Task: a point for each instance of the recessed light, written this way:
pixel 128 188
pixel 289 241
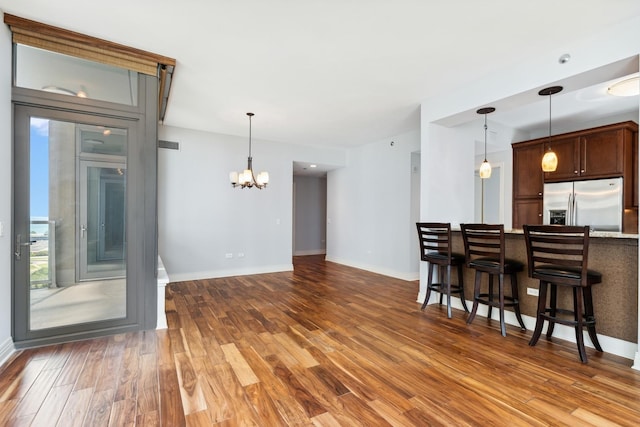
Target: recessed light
pixel 564 58
pixel 627 87
pixel 313 166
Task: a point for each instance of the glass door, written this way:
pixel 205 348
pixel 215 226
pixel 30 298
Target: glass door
pixel 70 223
pixel 101 223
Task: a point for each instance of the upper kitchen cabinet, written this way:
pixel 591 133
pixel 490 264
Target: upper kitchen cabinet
pixel 527 172
pixel 527 183
pixel 602 152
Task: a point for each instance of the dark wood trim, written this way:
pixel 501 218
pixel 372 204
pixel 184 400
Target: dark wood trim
pixel 27 26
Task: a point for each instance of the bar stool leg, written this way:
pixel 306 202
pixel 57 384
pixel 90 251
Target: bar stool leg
pixel 461 284
pixel 578 316
pixel 503 327
pixel 516 300
pixel 441 281
pixel 542 301
pixel 449 291
pixel 476 293
pixel 429 285
pixel 490 296
pixel 590 318
pixel 553 301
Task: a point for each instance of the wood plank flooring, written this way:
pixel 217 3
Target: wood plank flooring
pixel 325 345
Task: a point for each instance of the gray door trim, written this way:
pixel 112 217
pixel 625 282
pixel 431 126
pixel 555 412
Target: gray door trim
pixel 141 215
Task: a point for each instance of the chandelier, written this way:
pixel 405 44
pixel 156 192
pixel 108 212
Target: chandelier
pixel 247 178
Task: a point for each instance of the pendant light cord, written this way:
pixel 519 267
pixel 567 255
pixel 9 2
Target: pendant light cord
pixel 485 137
pixel 549 143
pixel 250 134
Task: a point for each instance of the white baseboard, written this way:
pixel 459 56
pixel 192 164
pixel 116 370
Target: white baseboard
pixel 6 350
pixel 411 276
pixel 626 349
pixel 181 277
pixel 310 252
pixel 163 279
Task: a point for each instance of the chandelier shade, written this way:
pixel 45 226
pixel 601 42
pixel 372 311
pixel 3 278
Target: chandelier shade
pixel 247 178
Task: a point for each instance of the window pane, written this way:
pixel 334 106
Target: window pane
pixel 53 72
pixel 78 225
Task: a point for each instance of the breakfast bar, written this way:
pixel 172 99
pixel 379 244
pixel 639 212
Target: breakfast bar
pixel 615 255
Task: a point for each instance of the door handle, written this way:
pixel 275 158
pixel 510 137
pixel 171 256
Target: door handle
pixel 82 231
pixel 19 245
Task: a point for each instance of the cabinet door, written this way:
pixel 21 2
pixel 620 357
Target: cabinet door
pixel 568 152
pixel 602 154
pixel 527 172
pixel 634 169
pixel 527 211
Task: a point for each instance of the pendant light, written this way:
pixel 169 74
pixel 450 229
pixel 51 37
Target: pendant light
pixel 247 178
pixel 549 160
pixel 485 167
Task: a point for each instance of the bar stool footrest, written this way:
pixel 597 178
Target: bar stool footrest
pixel 494 300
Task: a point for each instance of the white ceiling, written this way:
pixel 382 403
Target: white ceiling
pixel 333 72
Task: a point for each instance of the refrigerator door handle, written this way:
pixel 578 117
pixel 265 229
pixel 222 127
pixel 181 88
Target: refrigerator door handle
pixel 575 210
pixel 569 218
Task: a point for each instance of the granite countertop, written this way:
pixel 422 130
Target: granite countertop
pixel 605 234
pixel 596 234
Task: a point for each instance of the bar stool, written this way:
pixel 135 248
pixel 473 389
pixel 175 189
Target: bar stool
pixel 435 248
pixel 484 250
pixel 558 257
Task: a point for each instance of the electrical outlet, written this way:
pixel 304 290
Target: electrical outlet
pixel 532 291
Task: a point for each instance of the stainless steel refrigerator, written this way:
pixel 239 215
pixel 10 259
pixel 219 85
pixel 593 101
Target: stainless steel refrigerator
pixel 597 203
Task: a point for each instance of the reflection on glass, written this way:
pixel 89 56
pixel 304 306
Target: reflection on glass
pixel 105 221
pixel 78 223
pixel 67 75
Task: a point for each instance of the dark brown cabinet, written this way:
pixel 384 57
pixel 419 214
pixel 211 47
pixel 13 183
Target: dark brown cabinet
pixel 527 211
pixel 568 152
pixel 604 152
pixel 591 154
pixel 527 183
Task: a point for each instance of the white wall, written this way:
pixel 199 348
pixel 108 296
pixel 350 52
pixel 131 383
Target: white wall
pixel 369 208
pixel 202 218
pixel 310 215
pixel 6 342
pixel 447 187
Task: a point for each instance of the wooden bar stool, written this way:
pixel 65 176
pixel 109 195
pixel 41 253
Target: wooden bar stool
pixel 485 252
pixel 435 248
pixel 558 257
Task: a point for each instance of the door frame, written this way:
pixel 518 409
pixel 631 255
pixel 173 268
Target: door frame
pixel 141 201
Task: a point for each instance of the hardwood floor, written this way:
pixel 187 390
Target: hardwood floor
pixel 325 345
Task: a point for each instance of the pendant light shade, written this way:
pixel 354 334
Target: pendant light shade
pixel 247 178
pixel 485 170
pixel 485 167
pixel 549 160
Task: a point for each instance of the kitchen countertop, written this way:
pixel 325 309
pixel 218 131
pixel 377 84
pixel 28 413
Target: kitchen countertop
pixel 605 234
pixel 596 234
